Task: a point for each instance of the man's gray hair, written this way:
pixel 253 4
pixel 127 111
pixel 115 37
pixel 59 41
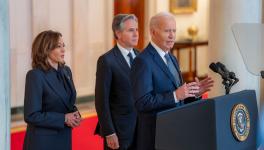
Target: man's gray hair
pixel 154 20
pixel 118 22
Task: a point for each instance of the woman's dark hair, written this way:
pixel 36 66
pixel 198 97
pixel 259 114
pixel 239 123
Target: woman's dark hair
pixel 42 45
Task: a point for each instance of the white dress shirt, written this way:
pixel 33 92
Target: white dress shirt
pixel 125 52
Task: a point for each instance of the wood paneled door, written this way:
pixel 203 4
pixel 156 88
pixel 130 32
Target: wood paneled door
pixel 136 7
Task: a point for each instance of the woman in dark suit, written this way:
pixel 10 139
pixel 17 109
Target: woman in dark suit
pixel 49 109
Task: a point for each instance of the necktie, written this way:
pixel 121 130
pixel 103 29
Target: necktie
pixel 130 58
pixel 172 69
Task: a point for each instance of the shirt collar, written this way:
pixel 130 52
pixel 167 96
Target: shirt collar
pixel 159 50
pixel 125 51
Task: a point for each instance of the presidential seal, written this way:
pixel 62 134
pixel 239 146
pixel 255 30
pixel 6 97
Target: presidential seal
pixel 240 122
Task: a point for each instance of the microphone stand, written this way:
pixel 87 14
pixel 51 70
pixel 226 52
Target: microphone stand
pixel 228 84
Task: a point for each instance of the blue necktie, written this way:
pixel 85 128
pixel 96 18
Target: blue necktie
pixel 130 58
pixel 172 69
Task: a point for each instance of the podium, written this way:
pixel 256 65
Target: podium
pixel 208 124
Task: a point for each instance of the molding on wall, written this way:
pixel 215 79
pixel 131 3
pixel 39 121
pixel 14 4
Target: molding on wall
pixel 80 100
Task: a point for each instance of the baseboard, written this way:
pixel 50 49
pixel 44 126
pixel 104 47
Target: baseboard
pixel 80 100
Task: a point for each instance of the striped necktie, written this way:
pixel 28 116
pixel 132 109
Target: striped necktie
pixel 173 69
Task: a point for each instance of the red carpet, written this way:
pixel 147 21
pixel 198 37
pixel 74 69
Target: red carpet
pixel 83 138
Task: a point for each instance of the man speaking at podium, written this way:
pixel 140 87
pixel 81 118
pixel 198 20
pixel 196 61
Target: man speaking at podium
pixel 157 82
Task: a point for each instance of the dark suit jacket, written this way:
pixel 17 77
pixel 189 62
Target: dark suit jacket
pixel 45 105
pixel 113 97
pixel 153 86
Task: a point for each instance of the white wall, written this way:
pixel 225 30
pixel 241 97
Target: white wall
pixel 86 29
pixel 92 36
pixel 223 48
pixel 20 44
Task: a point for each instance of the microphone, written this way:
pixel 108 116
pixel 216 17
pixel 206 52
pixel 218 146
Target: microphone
pixel 222 67
pixel 214 67
pixel 229 78
pixel 231 75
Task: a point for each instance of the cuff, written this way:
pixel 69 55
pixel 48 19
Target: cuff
pixel 110 135
pixel 175 98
